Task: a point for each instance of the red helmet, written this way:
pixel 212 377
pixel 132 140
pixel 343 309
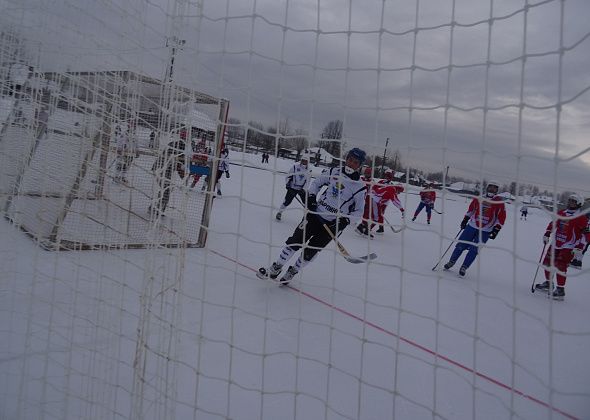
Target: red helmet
pixel 389 175
pixel 368 172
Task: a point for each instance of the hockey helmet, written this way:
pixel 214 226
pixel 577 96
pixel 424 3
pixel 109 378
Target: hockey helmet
pixel 304 157
pixel 492 188
pixel 575 201
pixel 389 175
pixel 357 154
pixel 368 172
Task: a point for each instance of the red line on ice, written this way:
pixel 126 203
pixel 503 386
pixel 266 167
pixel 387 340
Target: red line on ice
pixel 414 344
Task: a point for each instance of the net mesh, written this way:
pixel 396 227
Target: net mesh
pixel 96 100
pixel 87 158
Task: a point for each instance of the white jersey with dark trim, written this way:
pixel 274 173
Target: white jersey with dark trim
pixel 342 197
pixel 298 176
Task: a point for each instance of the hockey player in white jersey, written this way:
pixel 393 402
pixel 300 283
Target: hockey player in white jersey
pixel 126 150
pixel 296 181
pixel 343 198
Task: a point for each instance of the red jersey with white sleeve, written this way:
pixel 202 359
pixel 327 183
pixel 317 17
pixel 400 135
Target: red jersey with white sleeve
pixel 485 213
pixel 428 197
pixel 369 185
pixel 381 194
pixel 571 230
pixel 385 192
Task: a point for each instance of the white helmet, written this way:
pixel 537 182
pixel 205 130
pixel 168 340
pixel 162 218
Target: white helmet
pixel 389 175
pixel 577 198
pixel 494 191
pixel 305 157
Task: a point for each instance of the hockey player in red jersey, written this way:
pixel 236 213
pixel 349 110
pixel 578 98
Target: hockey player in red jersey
pixel 571 235
pixel 396 190
pixel 577 261
pixel 484 219
pixel 380 195
pixel 427 199
pixel 199 160
pixel 367 178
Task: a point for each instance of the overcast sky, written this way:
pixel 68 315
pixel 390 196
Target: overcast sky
pixel 360 61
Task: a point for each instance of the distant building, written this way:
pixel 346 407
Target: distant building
pixel 547 202
pixel 285 153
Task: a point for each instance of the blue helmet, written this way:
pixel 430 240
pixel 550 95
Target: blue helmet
pixel 358 154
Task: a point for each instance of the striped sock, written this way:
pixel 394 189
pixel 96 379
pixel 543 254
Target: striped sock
pixel 285 255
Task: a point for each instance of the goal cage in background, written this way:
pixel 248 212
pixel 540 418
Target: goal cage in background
pixel 69 185
pixel 162 316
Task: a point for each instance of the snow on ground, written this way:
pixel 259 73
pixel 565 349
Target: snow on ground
pixel 389 339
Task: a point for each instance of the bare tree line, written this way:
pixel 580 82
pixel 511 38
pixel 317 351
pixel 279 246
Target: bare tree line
pixel 282 136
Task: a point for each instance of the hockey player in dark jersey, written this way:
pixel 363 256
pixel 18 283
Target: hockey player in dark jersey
pixel 344 197
pixel 172 158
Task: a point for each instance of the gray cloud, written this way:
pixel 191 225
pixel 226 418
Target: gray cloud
pixel 270 71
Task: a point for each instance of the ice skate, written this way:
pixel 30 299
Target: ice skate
pixel 462 271
pixel 558 293
pixel 278 216
pixel 362 230
pixel 272 272
pixel 289 274
pixel 543 287
pixel 577 264
pixel 449 265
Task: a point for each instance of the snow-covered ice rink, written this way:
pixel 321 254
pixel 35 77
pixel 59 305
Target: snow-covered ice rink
pixel 193 334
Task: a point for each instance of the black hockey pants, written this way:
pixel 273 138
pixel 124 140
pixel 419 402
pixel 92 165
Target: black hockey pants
pixel 291 194
pixel 312 234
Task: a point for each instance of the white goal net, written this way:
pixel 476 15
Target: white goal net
pixel 138 206
pixel 85 158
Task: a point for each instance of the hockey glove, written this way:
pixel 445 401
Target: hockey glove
pixel 577 253
pixel 342 222
pixel 546 238
pixel 312 204
pixel 227 174
pixel 464 222
pixel 494 232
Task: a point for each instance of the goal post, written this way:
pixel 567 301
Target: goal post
pixel 76 188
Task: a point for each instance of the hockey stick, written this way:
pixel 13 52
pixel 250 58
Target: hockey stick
pixel 300 202
pixel 436 211
pixel 342 251
pixel 537 270
pixel 447 250
pixel 392 228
